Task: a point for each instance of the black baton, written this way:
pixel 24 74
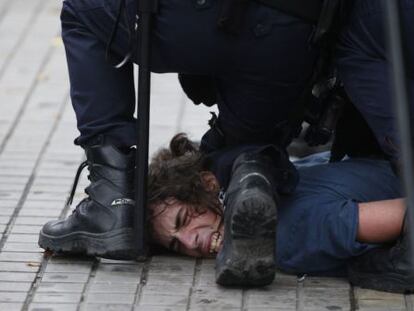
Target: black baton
pixel 401 105
pixel 145 11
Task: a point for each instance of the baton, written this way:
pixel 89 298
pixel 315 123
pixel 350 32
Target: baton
pixel 401 106
pixel 145 11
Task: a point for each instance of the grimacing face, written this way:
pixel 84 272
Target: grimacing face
pixel 178 228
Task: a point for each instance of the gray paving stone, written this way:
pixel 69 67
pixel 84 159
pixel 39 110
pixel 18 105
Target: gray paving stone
pixel 21 257
pixel 65 277
pixel 160 308
pixel 38 205
pixel 118 273
pixel 110 298
pixel 283 298
pixel 15 286
pixel 169 279
pixel 7 211
pixel 109 287
pixel 61 259
pixel 69 267
pixel 117 262
pixel 4 220
pixel 6 266
pixel 49 212
pixel 52 307
pixel 57 297
pixel 107 307
pixel 23 238
pixel 215 298
pixel 11 306
pixel 373 300
pixel 172 268
pixel 12 297
pixel 55 287
pixel 17 276
pixel 326 282
pixel 166 290
pixel 34 220
pixel 22 247
pixel 162 300
pixel 26 229
pixel 209 308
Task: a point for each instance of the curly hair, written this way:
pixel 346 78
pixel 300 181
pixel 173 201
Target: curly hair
pixel 175 172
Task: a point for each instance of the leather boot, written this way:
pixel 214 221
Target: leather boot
pixel 247 257
pixel 102 224
pixel 387 269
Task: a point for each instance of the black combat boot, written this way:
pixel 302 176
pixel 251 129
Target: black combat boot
pixel 248 254
pixel 102 224
pixel 387 269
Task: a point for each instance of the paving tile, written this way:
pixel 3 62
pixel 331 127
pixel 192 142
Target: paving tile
pixel 166 290
pixel 53 307
pixel 63 259
pixel 69 267
pixel 22 247
pixel 30 229
pixel 118 273
pixel 33 220
pixel 109 287
pixel 326 282
pixel 107 307
pixel 7 266
pixel 17 276
pixel 12 297
pixel 169 279
pixel 56 287
pixel 49 212
pixel 65 277
pixel 370 299
pixel 160 308
pixel 23 238
pixel 170 300
pixel 110 298
pixel 57 297
pixel 214 298
pixel 21 257
pixel 11 306
pixel 4 220
pixel 283 298
pixel 13 286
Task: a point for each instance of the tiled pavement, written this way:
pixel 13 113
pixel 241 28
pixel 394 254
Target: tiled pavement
pixel 37 165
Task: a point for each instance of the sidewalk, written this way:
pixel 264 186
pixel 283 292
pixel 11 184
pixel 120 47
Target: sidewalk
pixel 37 165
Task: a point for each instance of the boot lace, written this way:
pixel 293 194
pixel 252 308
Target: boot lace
pixel 75 183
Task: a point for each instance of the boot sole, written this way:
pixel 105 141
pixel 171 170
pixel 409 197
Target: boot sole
pixel 116 244
pixel 389 282
pixel 247 257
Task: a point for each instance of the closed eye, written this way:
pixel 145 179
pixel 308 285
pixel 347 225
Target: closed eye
pixel 182 218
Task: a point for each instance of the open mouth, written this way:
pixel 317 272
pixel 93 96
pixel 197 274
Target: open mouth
pixel 216 241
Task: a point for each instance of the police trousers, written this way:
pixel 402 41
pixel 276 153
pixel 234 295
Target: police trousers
pixel 260 73
pixel 363 66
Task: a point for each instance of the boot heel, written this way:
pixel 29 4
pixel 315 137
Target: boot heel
pixel 247 257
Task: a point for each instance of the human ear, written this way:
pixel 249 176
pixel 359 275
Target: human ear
pixel 209 181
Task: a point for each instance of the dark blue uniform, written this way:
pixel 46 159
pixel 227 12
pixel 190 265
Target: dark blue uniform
pixel 260 74
pixel 364 69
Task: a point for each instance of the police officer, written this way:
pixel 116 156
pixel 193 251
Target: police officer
pixel 363 67
pixel 259 62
